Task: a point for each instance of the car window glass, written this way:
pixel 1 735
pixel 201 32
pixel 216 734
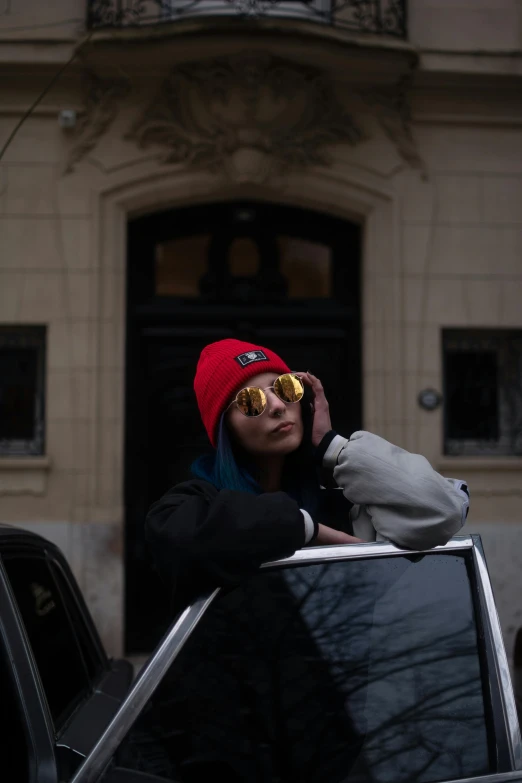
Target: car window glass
pixel 351 672
pixel 13 746
pixel 93 659
pixel 51 636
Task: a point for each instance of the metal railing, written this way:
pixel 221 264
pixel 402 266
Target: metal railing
pixel 376 17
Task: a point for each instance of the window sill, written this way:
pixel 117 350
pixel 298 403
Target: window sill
pixel 24 475
pixel 447 464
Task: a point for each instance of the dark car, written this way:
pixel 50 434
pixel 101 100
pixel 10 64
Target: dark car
pixel 365 664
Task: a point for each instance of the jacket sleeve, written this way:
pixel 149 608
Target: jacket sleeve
pixel 406 501
pixel 198 536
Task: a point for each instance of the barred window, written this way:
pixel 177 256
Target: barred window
pixel 482 392
pixel 22 390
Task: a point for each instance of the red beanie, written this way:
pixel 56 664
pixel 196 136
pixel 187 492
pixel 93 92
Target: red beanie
pixel 223 369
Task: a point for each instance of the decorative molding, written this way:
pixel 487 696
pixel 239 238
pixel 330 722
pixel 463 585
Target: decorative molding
pixel 24 475
pixel 250 116
pixel 103 100
pixel 485 464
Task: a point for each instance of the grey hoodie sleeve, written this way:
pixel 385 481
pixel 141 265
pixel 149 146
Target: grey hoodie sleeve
pixel 397 495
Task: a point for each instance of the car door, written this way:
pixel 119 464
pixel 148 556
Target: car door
pixel 355 664
pixel 76 688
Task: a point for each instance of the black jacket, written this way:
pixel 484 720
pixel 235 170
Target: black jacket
pixel 200 537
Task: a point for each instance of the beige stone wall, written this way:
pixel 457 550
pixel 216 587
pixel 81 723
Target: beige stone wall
pixel 461 251
pixel 444 250
pixel 472 26
pixel 48 276
pixel 31 20
pixel 461 266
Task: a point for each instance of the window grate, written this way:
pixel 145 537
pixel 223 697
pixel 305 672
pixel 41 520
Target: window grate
pixel 482 392
pixel 379 17
pixel 22 390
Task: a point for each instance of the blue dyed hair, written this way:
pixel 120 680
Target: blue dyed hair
pixel 221 468
pixel 224 470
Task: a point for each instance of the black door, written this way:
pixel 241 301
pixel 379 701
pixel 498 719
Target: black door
pixel 277 276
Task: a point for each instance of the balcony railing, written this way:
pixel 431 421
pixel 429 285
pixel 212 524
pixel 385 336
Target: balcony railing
pixel 377 17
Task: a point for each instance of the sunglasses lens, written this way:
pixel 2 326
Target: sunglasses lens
pixel 251 401
pixel 289 388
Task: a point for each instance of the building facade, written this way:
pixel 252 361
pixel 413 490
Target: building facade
pixel 343 182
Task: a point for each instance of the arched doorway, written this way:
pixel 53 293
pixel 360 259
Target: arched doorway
pixel 279 276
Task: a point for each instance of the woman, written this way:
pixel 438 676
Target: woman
pixel 249 697
pixel 258 497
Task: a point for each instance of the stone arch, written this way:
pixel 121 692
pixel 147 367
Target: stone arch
pixel 353 194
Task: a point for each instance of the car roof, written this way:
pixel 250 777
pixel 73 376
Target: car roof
pixel 12 533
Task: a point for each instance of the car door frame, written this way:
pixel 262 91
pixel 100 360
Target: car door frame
pixel 108 688
pixel 28 687
pixel 505 720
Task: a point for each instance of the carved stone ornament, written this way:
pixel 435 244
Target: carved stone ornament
pixel 250 116
pixel 392 108
pixel 103 100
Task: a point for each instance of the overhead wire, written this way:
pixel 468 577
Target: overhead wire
pixel 43 93
pixel 66 276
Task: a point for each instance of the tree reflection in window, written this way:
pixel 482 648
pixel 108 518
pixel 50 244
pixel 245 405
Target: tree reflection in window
pixel 351 672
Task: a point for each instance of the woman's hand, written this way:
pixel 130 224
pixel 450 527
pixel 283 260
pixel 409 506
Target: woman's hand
pixel 328 536
pixel 322 423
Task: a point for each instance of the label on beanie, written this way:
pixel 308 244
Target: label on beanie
pixel 244 359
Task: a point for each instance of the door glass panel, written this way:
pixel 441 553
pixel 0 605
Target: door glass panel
pixel 180 264
pixel 93 659
pixel 243 258
pixel 50 634
pixel 307 266
pixel 351 672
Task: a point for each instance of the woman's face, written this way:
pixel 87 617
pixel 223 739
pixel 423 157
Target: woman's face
pixel 278 431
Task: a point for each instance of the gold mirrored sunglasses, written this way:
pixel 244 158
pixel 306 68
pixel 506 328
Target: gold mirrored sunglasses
pixel 252 402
